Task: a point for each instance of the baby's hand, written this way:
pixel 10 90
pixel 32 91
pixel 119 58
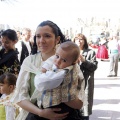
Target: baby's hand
pixel 43 70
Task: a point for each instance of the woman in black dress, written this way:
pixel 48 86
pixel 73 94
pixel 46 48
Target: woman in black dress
pixel 88 65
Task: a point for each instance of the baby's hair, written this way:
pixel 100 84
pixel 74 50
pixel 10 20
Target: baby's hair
pixel 72 49
pixel 8 78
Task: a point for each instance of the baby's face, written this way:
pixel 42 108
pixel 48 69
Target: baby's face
pixel 63 58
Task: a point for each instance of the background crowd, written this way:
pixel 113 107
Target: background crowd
pixel 22 55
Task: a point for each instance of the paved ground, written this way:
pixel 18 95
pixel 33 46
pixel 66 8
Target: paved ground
pixel 106 94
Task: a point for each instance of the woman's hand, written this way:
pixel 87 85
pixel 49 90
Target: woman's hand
pixel 49 113
pixel 81 58
pixel 76 103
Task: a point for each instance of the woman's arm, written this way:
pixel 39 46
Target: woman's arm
pixel 48 113
pixel 76 104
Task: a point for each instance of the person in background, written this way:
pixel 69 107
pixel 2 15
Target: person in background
pixel 114 51
pixel 24 46
pixel 18 35
pixel 8 54
pixel 102 52
pixel 47 36
pixel 88 65
pixel 7 86
pixel 0 40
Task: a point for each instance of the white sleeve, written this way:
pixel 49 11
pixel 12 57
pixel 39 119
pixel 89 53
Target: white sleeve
pixel 22 87
pixel 47 66
pixel 48 80
pixel 19 48
pixel 48 63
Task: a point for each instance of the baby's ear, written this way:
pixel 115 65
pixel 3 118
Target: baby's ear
pixel 75 62
pixel 12 87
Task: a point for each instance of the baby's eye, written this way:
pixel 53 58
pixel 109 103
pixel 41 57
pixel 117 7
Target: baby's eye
pixel 64 60
pixel 57 56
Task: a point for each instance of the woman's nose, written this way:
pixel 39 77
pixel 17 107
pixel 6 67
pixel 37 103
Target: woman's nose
pixel 42 40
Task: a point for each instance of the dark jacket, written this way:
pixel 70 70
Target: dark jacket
pixel 24 52
pixel 88 67
pixel 9 62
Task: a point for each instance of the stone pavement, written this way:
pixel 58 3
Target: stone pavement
pixel 106 94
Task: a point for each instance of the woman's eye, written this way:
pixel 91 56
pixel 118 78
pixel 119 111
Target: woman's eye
pixel 47 36
pixel 37 36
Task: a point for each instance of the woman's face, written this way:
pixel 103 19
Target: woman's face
pixel 7 43
pixel 45 39
pixel 79 41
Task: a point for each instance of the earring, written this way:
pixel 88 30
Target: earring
pixel 57 46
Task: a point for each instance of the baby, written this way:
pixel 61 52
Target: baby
pixel 57 81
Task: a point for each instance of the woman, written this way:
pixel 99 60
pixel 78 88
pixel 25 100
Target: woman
pixel 88 65
pixel 8 54
pixel 102 52
pixel 47 36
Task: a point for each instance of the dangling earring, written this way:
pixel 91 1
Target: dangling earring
pixel 54 48
pixel 57 46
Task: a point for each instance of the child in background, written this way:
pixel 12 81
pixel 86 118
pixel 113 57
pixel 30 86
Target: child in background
pixel 7 86
pixel 54 80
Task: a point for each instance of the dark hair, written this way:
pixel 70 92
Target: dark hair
pixel 8 78
pixel 85 46
pixel 34 48
pixel 10 34
pixel 56 30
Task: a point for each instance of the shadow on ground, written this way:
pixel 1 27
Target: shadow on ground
pixel 107 86
pixel 108 101
pixel 110 115
pixel 108 78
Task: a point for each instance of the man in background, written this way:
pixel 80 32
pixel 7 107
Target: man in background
pixel 24 46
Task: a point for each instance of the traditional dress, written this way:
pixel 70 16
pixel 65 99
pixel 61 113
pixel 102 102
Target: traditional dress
pixel 102 52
